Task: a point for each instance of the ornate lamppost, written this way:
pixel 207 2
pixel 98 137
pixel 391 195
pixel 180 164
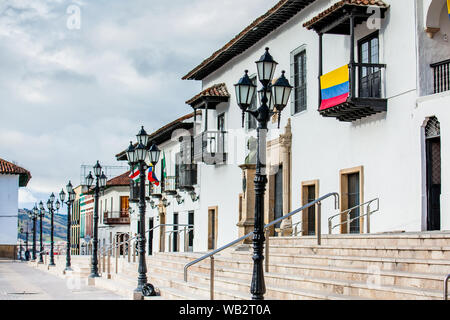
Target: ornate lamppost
pixel 27 252
pixel 51 212
pixel 100 183
pixel 274 98
pixel 137 155
pixel 41 216
pixel 33 215
pixel 20 244
pixel 70 200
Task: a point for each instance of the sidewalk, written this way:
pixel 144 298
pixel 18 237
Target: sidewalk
pixel 19 281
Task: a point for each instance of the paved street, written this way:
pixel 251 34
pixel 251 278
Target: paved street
pixel 18 281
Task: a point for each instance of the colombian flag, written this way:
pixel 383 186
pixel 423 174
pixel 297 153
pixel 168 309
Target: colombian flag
pixel 448 8
pixel 334 87
pixel 152 176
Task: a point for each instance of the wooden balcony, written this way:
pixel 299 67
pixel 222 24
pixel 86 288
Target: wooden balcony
pixel 441 76
pixel 116 217
pixel 365 94
pixel 210 147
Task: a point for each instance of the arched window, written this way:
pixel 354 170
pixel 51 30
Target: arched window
pixel 433 128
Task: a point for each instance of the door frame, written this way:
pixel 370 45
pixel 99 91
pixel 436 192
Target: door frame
pixel 343 190
pixel 210 226
pixel 304 200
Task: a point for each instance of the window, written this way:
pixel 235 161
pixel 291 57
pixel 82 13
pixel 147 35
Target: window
pixel 298 78
pixel 251 121
pixel 221 122
pixel 369 77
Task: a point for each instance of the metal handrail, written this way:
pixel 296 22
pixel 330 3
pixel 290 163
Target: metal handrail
pixel 348 212
pixel 295 227
pixel 232 243
pixel 116 245
pixel 447 278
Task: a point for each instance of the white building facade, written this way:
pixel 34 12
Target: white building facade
pixel 12 177
pixel 393 148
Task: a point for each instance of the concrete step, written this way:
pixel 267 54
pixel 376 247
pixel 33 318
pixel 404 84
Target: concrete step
pixel 422 239
pixel 224 289
pixel 364 275
pixel 413 252
pixel 224 277
pixel 433 266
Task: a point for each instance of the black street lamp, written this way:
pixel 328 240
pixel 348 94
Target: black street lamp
pixel 27 252
pixel 33 215
pixel 41 216
pixel 51 212
pixel 274 98
pixel 137 155
pixel 70 200
pixel 100 183
pixel 20 243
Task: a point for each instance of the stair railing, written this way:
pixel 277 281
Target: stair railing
pixel 349 220
pixel 113 250
pixel 185 230
pixel 211 254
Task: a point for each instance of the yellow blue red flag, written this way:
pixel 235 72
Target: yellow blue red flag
pixel 334 87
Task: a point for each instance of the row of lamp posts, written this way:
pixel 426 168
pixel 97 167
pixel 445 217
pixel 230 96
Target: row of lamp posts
pixel 273 99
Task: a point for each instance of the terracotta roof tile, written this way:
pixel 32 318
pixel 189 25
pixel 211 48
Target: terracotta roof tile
pixel 309 24
pixel 217 90
pixel 7 167
pixel 122 180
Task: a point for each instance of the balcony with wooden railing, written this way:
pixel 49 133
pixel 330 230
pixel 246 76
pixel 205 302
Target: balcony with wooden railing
pixel 441 76
pixel 116 217
pixel 210 147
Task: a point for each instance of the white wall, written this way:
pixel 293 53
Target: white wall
pixel 9 201
pixel 387 144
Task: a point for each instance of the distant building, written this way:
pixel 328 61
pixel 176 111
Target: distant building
pixel 114 215
pixel 75 222
pixel 86 221
pixel 12 177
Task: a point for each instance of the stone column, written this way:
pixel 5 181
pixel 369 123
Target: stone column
pixel 162 229
pixel 285 158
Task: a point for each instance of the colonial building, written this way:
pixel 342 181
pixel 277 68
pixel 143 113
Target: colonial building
pixel 76 221
pixel 86 221
pixel 382 142
pixel 12 177
pixel 114 215
pixel 172 202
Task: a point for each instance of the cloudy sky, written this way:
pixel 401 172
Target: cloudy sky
pixel 76 90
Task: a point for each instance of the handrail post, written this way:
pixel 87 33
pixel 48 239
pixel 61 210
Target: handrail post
pixel 134 251
pixel 267 250
pixel 319 223
pixel 368 219
pixel 211 279
pixel 185 240
pixel 348 222
pixel 109 264
pixel 129 250
pixel 117 258
pixel 330 229
pixel 104 269
pixel 447 278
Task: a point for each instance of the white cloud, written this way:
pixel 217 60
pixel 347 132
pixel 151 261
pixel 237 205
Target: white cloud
pixel 74 96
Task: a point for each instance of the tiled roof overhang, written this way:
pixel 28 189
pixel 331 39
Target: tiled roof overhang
pixel 165 133
pixel 283 11
pixel 214 94
pixel 122 180
pixel 7 167
pixel 335 19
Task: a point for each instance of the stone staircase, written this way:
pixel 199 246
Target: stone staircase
pixel 376 266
